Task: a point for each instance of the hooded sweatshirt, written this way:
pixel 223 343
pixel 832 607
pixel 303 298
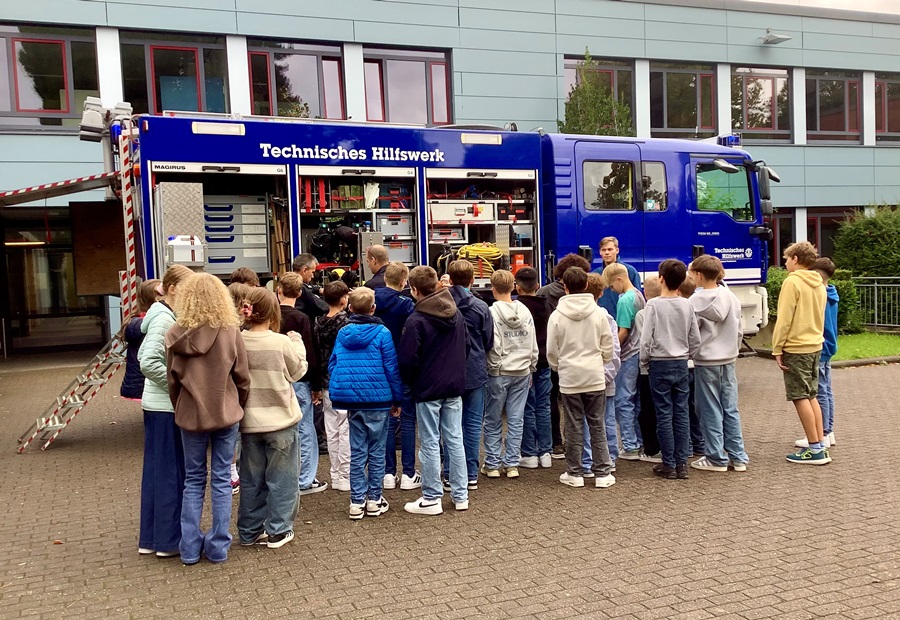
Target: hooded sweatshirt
pixel 611 368
pixel 718 313
pixel 363 366
pixel 670 330
pixel 515 351
pixel 800 325
pixel 276 361
pixel 133 381
pixel 393 309
pixel 480 326
pixel 829 347
pixel 553 292
pixel 152 357
pixel 433 349
pixel 209 378
pixel 540 311
pixel 579 344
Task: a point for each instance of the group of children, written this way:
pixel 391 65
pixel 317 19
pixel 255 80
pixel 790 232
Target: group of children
pixel 243 365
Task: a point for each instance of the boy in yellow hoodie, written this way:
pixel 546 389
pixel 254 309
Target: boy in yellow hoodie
pixel 797 346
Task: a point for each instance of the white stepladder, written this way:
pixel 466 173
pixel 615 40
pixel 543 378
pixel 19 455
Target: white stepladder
pixel 59 414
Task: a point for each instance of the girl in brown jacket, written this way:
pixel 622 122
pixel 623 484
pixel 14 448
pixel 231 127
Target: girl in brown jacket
pixel 208 382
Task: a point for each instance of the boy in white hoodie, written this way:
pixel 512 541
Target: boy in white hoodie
pixel 511 361
pixel 718 313
pixel 579 344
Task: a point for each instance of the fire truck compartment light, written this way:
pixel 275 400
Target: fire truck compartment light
pixel 218 129
pixel 732 139
pixel 494 139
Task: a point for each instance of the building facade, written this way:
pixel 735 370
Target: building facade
pixel 814 91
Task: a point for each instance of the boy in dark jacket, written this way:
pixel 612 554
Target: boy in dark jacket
pixel 432 360
pixel 480 327
pixel 393 309
pixel 366 382
pixel 537 437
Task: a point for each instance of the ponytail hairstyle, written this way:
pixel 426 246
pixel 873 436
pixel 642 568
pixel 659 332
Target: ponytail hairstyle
pixel 264 308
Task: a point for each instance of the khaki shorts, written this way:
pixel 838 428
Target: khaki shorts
pixel 801 379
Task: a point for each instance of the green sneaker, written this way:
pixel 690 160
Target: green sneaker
pixel 807 457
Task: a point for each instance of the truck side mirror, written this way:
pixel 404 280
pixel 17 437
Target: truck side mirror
pixel 766 207
pixel 765 175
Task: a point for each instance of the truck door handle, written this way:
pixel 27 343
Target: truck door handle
pixel 221 168
pixel 357 171
pixel 481 175
pixel 697 251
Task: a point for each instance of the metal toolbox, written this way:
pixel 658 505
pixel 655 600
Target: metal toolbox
pixel 391 225
pixel 236 233
pixel 403 251
pixel 462 211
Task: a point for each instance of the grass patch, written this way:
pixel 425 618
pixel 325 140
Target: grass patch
pixel 866 345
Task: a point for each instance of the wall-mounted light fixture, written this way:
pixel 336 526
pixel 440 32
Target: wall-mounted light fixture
pixel 774 39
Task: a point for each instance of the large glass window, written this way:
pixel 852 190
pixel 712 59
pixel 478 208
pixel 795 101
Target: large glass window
pixel 293 79
pixel 45 75
pixel 729 193
pixel 174 72
pixel 832 105
pixel 682 100
pixel 407 86
pixel 618 75
pixel 887 107
pixel 760 103
pixel 608 185
pixel 655 190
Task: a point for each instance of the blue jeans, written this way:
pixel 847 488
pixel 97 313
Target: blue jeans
pixel 269 492
pixel 442 419
pixel 214 544
pixel 537 434
pixel 367 439
pixel 627 404
pixel 407 423
pixel 825 396
pixel 669 382
pixel 511 393
pixel 309 442
pixel 472 420
pixel 716 393
pixel 162 483
pixel 587 456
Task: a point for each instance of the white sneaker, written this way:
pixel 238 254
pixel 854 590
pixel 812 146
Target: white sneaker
pixel 389 482
pixel 572 481
pixel 604 482
pixel 738 466
pixel 424 506
pixel 529 462
pixel 145 551
pixel 376 507
pixel 803 443
pixel 705 464
pixel 545 460
pixel 357 511
pixel 831 439
pixel 463 505
pixel 407 483
pixel 340 484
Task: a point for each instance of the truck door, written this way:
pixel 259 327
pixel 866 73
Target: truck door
pixel 606 198
pixel 666 209
pixel 723 213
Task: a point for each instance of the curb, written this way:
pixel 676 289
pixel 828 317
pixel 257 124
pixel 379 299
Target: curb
pixel 871 361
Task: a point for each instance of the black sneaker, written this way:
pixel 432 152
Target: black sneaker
pixel 559 452
pixel 280 540
pixel 664 471
pixel 473 485
pixel 260 539
pixel 681 471
pixel 446 484
pixel 316 487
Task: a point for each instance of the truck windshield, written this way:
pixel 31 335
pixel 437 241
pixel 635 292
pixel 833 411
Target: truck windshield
pixel 718 190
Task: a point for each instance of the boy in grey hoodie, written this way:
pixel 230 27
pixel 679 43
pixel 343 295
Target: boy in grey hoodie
pixel 716 389
pixel 511 361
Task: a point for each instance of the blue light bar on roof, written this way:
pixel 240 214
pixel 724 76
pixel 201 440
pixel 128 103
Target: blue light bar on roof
pixel 732 140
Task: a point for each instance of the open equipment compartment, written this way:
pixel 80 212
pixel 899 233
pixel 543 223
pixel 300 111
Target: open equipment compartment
pixel 238 212
pixel 489 217
pixel 343 209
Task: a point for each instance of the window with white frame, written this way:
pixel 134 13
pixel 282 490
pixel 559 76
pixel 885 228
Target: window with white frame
pixel 407 86
pixel 45 75
pixel 682 100
pixel 832 105
pixel 887 107
pixel 761 103
pixel 294 79
pixel 162 71
pixel 617 74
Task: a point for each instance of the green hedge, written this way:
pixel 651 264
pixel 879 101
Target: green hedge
pixel 850 316
pixel 870 246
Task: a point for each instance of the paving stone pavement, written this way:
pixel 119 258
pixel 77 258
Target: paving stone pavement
pixel 779 541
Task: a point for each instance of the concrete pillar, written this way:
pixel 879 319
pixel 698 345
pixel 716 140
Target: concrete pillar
pixel 642 97
pixel 723 99
pixel 354 82
pixel 800 224
pixel 867 105
pixel 109 66
pixel 798 107
pixel 238 75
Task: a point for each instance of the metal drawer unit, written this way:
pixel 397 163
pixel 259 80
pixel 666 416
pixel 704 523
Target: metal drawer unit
pixel 236 231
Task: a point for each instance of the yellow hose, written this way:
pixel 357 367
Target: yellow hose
pixel 482 256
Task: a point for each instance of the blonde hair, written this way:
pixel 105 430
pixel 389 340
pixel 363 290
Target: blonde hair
pixel 203 300
pixel 613 271
pixel 291 284
pixel 803 251
pixel 175 275
pixel 502 281
pixel 652 287
pixel 396 273
pixel 361 300
pixel 595 285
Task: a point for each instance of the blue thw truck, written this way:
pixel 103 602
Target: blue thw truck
pixel 222 193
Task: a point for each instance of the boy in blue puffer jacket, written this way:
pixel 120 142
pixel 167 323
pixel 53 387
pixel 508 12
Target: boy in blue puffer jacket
pixel 365 380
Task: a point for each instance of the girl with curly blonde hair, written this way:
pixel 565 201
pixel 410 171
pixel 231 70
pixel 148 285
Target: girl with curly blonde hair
pixel 209 380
